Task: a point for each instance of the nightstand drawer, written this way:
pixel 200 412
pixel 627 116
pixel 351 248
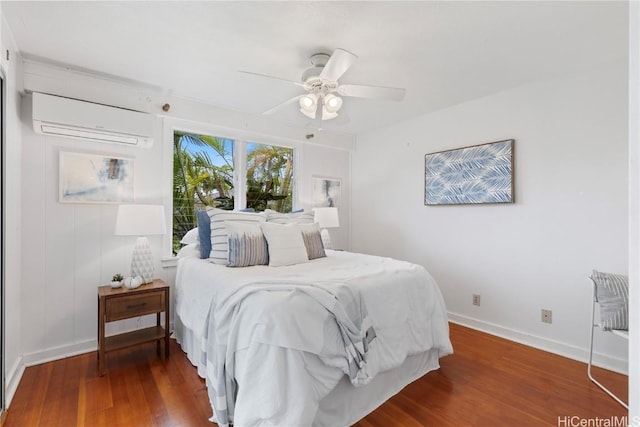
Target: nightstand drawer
pixel 134 305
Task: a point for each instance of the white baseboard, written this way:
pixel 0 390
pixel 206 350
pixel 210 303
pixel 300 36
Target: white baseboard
pixel 13 379
pixel 572 352
pixel 14 375
pixel 63 351
pixel 57 353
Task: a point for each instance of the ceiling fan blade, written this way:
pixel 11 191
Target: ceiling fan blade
pixel 271 77
pixel 380 92
pixel 339 62
pixel 282 105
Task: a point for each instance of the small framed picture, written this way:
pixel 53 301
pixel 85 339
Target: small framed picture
pixel 327 192
pixel 95 178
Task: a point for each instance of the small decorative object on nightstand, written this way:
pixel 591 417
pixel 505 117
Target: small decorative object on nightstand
pixel 132 282
pixel 116 280
pixel 122 303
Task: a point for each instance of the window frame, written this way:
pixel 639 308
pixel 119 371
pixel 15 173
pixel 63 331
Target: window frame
pixel 241 139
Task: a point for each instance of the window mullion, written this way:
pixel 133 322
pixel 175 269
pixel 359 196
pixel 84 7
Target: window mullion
pixel 240 174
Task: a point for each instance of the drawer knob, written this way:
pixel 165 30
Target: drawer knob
pixel 132 306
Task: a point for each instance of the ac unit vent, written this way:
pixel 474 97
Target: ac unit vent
pixel 72 118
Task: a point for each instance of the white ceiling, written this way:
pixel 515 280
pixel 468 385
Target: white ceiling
pixel 443 53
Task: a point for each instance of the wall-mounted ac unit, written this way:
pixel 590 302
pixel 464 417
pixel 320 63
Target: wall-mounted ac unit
pixel 66 117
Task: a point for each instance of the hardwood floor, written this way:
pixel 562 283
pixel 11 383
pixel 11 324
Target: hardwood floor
pixel 487 382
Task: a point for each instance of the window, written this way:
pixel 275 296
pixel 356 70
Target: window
pixel 204 173
pixel 269 177
pixel 202 176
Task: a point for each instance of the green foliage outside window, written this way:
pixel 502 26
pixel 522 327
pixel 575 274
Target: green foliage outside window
pixel 269 177
pixel 203 172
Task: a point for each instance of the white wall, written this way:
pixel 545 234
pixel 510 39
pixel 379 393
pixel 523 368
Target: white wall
pixel 570 214
pixel 13 152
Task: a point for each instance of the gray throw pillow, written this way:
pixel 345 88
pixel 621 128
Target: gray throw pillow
pixel 612 294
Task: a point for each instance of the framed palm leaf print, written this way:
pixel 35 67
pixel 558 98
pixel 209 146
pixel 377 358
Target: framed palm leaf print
pixel 470 175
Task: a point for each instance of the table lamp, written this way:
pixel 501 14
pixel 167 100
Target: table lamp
pixel 326 218
pixel 141 221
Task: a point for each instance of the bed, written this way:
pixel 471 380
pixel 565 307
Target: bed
pixel 319 343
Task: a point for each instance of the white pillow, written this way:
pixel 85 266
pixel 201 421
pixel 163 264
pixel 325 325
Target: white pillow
pixel 286 245
pixel 190 250
pixel 191 237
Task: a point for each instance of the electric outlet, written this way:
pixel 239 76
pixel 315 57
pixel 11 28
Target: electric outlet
pixel 545 316
pixel 476 299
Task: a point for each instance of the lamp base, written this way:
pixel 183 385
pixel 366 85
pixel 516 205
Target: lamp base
pixel 142 260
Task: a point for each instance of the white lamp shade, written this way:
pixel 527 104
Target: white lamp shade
pixel 326 217
pixel 140 220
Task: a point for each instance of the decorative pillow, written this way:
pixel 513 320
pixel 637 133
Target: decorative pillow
pixel 204 233
pixel 192 236
pixel 312 240
pixel 612 294
pixel 247 245
pixel 289 218
pixel 190 250
pixel 219 237
pixel 286 245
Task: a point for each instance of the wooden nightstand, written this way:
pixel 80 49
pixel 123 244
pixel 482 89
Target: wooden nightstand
pixel 122 303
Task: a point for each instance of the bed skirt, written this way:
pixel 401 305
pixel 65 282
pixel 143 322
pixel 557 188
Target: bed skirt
pixel 344 404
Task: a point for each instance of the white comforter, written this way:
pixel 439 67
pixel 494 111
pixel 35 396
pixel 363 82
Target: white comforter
pixel 235 312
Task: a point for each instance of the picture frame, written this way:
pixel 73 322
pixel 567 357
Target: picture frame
pixel 327 192
pixel 477 174
pixel 95 178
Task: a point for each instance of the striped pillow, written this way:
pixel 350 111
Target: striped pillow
pixel 289 218
pixel 247 245
pixel 219 236
pixel 612 294
pixel 312 240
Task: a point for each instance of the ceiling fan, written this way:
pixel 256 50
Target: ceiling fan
pixel 323 97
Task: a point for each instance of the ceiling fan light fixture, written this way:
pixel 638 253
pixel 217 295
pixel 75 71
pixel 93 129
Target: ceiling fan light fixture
pixel 308 101
pixel 310 114
pixel 332 103
pixel 328 115
pixel 309 105
pixel 323 99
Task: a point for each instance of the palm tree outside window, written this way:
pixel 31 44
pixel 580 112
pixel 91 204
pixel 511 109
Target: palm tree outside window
pixel 204 175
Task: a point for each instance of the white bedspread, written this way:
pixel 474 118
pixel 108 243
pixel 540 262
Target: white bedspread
pixel 234 312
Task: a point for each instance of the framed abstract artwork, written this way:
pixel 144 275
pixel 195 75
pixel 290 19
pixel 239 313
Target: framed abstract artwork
pixel 95 178
pixel 327 192
pixel 470 175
